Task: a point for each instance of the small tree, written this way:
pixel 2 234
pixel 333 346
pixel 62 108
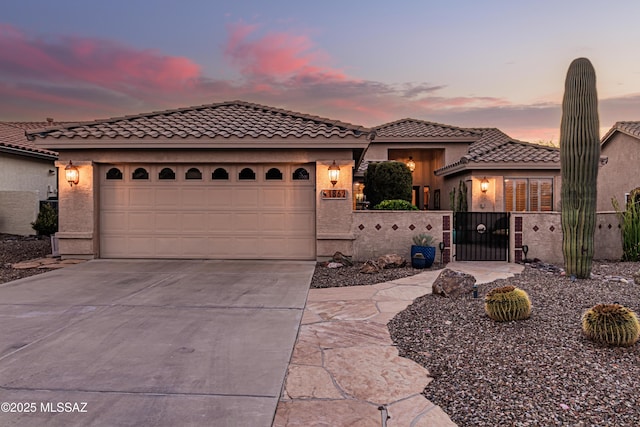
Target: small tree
pixel 387 181
pixel 46 223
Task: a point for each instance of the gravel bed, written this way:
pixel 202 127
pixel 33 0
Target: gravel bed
pixel 325 277
pixel 537 372
pixel 20 248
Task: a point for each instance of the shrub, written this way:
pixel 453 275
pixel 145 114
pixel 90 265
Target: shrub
pixel 46 223
pixel 387 181
pixel 611 324
pixel 630 222
pixel 507 303
pixel 395 205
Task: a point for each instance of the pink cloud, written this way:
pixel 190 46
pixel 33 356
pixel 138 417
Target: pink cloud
pixel 277 55
pixel 78 61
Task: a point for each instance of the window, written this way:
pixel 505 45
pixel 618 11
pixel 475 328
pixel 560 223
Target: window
pixel 220 173
pixel 528 194
pixel 274 174
pixel 301 174
pixel 114 173
pixel 193 173
pixel 140 173
pixel 167 173
pixel 247 174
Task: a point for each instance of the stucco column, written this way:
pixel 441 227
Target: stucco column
pixel 334 210
pixel 77 216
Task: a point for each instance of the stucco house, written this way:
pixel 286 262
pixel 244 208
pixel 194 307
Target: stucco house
pixel 518 176
pixel 618 178
pixel 27 177
pixel 230 180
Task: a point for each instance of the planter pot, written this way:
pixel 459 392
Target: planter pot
pixel 418 262
pixel 429 253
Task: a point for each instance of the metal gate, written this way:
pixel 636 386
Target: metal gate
pixel 481 236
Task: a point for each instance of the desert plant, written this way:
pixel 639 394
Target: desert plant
pixel 423 239
pixel 452 199
pixel 46 222
pixel 462 197
pixel 579 160
pixel 630 223
pixel 395 205
pixel 387 181
pixel 507 303
pixel 611 324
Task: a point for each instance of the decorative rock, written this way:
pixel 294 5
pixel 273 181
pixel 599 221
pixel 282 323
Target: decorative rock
pixel 453 283
pixel 391 261
pixel 636 277
pixel 342 259
pixel 334 265
pixel 370 267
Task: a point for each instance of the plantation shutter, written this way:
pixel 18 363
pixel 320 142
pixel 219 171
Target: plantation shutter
pixel 546 195
pixel 521 195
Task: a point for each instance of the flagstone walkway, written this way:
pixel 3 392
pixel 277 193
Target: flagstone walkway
pixel 345 367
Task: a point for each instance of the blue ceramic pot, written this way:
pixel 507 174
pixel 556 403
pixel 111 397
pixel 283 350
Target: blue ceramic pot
pixel 429 253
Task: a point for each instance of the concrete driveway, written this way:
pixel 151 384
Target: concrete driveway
pixel 149 342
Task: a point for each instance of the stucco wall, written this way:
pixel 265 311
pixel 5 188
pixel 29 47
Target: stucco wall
pixel 620 174
pixel 18 209
pixel 381 232
pixel 77 213
pixel 18 173
pixel 542 233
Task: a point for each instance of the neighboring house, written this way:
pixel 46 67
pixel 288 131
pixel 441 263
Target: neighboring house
pixel 27 176
pixel 518 176
pixel 618 178
pixel 230 180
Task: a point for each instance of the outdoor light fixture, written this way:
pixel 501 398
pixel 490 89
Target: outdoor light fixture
pixel 411 164
pixel 72 174
pixel 441 247
pixel 484 185
pixel 334 173
pixel 525 250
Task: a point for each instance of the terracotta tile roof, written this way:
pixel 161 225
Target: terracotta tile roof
pixel 412 128
pixel 497 147
pixel 226 119
pixel 630 128
pixel 12 136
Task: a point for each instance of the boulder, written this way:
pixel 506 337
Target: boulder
pixel 391 261
pixel 342 259
pixel 453 283
pixel 370 267
pixel 636 277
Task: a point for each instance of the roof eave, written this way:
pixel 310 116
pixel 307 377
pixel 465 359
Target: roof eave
pixel 471 165
pixel 27 153
pixel 205 143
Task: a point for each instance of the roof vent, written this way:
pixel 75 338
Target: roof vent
pixel 50 120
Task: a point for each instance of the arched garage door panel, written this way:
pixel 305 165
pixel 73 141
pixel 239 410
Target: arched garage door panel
pixel 207 218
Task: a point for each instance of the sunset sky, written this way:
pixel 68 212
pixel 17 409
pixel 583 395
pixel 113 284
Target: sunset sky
pixel 466 63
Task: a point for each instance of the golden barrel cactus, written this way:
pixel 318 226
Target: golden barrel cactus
pixel 611 324
pixel 507 303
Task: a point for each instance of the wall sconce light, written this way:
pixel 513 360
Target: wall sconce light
pixel 411 164
pixel 72 174
pixel 334 173
pixel 484 185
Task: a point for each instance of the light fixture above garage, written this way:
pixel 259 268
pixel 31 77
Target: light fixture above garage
pixel 334 173
pixel 72 174
pixel 411 164
pixel 484 185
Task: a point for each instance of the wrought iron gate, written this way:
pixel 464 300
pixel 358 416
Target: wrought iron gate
pixel 481 236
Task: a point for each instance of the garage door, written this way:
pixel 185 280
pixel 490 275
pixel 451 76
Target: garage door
pixel 207 211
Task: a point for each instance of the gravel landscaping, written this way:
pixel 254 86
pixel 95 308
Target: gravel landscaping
pixel 325 277
pixel 536 372
pixel 20 248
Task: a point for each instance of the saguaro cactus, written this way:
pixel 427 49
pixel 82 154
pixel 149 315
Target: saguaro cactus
pixel 579 160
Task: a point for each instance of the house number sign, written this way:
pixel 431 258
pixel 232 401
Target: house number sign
pixel 334 194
